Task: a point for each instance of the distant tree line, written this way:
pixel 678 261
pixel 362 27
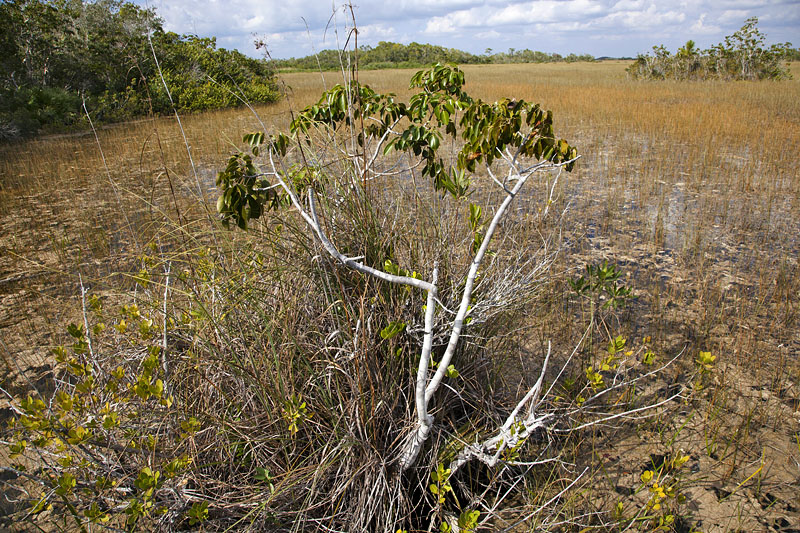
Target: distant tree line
pixel 793 54
pixel 57 54
pixel 742 56
pixel 415 55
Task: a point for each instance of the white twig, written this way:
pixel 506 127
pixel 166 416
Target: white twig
pixel 86 319
pixel 624 414
pixel 505 437
pixel 164 336
pixel 533 394
pixel 380 143
pixel 497 181
pixel 355 265
pixel 634 380
pixel 550 196
pixel 548 503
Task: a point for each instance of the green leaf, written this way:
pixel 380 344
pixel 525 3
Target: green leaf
pixel 616 345
pixel 468 520
pixel 76 331
pixel 392 330
pixel 198 513
pixel 475 215
pixel 451 372
pixel 262 474
pixel 391 268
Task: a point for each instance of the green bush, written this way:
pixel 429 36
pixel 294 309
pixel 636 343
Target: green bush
pixel 56 55
pixel 26 111
pixel 111 440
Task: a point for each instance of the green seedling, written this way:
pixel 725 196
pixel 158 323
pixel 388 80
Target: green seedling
pixel 440 486
pixel 295 413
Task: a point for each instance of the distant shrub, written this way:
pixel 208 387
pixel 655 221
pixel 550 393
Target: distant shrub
pixel 743 56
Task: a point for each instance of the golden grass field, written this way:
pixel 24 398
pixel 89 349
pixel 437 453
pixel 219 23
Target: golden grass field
pixel 692 188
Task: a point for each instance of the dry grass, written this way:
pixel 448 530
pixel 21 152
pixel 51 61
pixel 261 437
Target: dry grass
pixel 692 188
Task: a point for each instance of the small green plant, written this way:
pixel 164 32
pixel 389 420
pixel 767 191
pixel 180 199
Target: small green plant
pixel 705 365
pixel 705 362
pixel 440 486
pixel 451 372
pixel 198 513
pixel 649 356
pixel 512 453
pixel 467 522
pixel 104 405
pixel 601 283
pixel 392 330
pixel 662 483
pixel 602 289
pixel 263 476
pixel 295 412
pixel 609 363
pixel 476 226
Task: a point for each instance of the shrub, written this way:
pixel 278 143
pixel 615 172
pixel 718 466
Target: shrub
pixel 25 111
pixel 743 56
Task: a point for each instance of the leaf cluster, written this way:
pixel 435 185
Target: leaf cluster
pixel 440 108
pixel 602 280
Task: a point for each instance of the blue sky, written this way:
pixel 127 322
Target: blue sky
pixel 294 28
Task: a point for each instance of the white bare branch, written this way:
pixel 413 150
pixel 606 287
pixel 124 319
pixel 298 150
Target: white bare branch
pixel 424 420
pixel 458 323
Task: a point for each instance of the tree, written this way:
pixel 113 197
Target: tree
pixel 509 133
pixel 688 50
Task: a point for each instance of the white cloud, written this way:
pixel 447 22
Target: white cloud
pixel 744 4
pixel 733 15
pixel 600 27
pixel 701 28
pixel 377 32
pixel 439 25
pixel 491 34
pixel 628 5
pixel 458 20
pixel 548 11
pixel 645 19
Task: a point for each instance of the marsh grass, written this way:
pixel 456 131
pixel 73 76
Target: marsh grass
pixel 691 188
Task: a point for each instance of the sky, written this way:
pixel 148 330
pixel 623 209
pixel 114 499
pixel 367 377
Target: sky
pixel 616 28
